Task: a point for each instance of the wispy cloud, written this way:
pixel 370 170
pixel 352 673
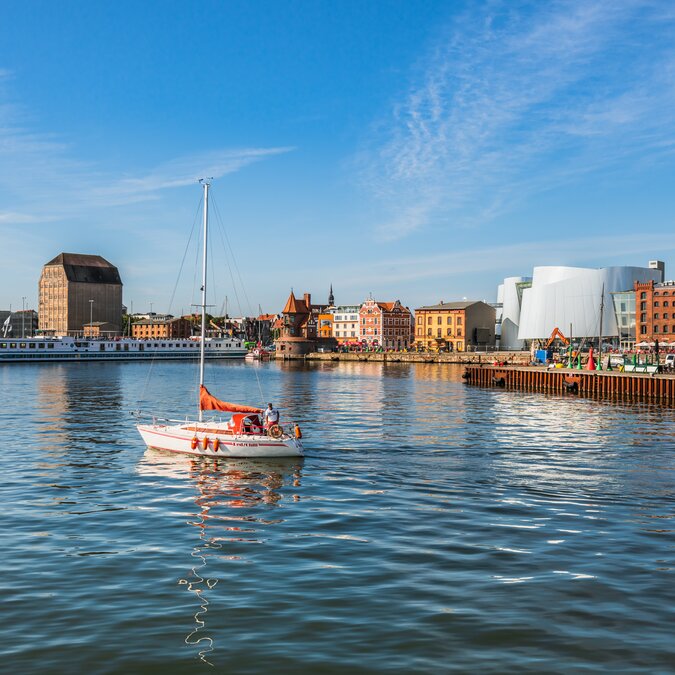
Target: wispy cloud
pixel 515 99
pixel 178 173
pixel 42 178
pixel 480 260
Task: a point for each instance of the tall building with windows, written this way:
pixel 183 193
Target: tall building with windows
pixel 76 289
pixel 655 312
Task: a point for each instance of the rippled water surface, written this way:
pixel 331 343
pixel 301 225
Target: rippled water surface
pixel 432 527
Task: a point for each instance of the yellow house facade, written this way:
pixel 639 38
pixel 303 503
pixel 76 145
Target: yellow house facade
pixel 454 326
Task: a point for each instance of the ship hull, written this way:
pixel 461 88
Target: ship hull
pixel 181 440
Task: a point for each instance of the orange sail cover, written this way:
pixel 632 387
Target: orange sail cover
pixel 208 402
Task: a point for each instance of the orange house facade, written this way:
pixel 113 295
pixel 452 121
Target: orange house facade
pixel 385 324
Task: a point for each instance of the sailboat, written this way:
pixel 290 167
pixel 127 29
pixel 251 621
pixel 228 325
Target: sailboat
pixel 243 434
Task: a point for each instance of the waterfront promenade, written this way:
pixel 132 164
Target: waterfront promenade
pixel 461 358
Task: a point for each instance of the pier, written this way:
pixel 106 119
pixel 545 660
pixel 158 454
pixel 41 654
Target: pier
pixel 638 386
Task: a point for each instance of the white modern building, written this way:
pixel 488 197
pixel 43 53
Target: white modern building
pixel 564 297
pixel 346 323
pixel 509 301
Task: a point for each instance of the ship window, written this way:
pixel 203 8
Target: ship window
pixel 41 346
pixel 12 345
pixel 31 346
pixel 50 346
pixel 22 345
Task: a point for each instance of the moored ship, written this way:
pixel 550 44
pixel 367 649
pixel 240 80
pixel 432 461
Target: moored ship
pixel 51 349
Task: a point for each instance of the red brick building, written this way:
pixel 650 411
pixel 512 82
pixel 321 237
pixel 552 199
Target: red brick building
pixel 655 312
pixel 152 328
pixel 385 324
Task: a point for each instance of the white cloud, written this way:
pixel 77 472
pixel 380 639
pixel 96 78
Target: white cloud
pixel 515 100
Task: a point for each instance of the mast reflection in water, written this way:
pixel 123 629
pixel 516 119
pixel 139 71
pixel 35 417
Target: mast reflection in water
pixel 231 498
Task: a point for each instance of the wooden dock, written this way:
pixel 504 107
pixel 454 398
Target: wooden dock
pixel 638 386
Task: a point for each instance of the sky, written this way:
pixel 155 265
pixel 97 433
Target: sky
pixel 419 151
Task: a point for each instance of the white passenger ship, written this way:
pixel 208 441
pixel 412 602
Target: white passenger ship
pixel 121 349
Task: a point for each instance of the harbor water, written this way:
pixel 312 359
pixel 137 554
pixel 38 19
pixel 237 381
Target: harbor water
pixel 431 528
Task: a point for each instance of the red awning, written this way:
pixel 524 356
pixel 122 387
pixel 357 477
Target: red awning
pixel 208 402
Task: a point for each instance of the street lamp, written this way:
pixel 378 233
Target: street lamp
pixel 23 317
pixel 91 318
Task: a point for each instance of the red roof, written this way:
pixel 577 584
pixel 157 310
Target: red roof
pixel 294 306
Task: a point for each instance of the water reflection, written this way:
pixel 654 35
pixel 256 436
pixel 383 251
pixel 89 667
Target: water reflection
pixel 75 402
pixel 234 498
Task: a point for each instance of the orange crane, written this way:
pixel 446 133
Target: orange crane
pixel 557 333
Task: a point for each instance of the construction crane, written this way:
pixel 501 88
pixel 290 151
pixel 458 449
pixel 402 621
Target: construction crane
pixel 557 333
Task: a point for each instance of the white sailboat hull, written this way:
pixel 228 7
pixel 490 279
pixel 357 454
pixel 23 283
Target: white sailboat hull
pixel 180 439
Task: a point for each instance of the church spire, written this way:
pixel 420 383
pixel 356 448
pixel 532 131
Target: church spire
pixel 331 299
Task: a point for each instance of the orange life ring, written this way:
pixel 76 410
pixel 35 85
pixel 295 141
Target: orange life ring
pixel 275 431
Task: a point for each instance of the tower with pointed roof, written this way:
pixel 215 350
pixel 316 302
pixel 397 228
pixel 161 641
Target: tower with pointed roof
pixel 331 299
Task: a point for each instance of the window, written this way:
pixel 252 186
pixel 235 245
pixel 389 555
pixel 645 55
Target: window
pixel 459 320
pixel 449 331
pixel 438 333
pixel 665 315
pixel 643 330
pixel 643 296
pixel 656 315
pixel 656 329
pixel 643 317
pixel 449 319
pixel 440 320
pixel 656 303
pixel 665 303
pixel 428 319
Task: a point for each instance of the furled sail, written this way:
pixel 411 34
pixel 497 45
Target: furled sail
pixel 209 402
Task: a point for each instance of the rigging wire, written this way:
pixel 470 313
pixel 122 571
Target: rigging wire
pixel 175 288
pixel 224 238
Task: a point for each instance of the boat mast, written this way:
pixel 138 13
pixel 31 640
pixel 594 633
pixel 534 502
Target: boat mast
pixel 602 311
pixel 202 342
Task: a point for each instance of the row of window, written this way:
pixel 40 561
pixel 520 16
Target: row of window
pixel 439 319
pixel 439 332
pixel 663 329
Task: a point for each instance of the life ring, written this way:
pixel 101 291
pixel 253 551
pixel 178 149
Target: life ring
pixel 275 431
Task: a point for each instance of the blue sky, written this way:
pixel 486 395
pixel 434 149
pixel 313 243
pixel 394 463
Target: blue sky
pixel 415 150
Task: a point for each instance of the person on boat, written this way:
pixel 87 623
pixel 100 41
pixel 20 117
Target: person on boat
pixel 270 416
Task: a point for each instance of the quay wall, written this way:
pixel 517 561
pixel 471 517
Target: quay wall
pixel 463 358
pixel 638 386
